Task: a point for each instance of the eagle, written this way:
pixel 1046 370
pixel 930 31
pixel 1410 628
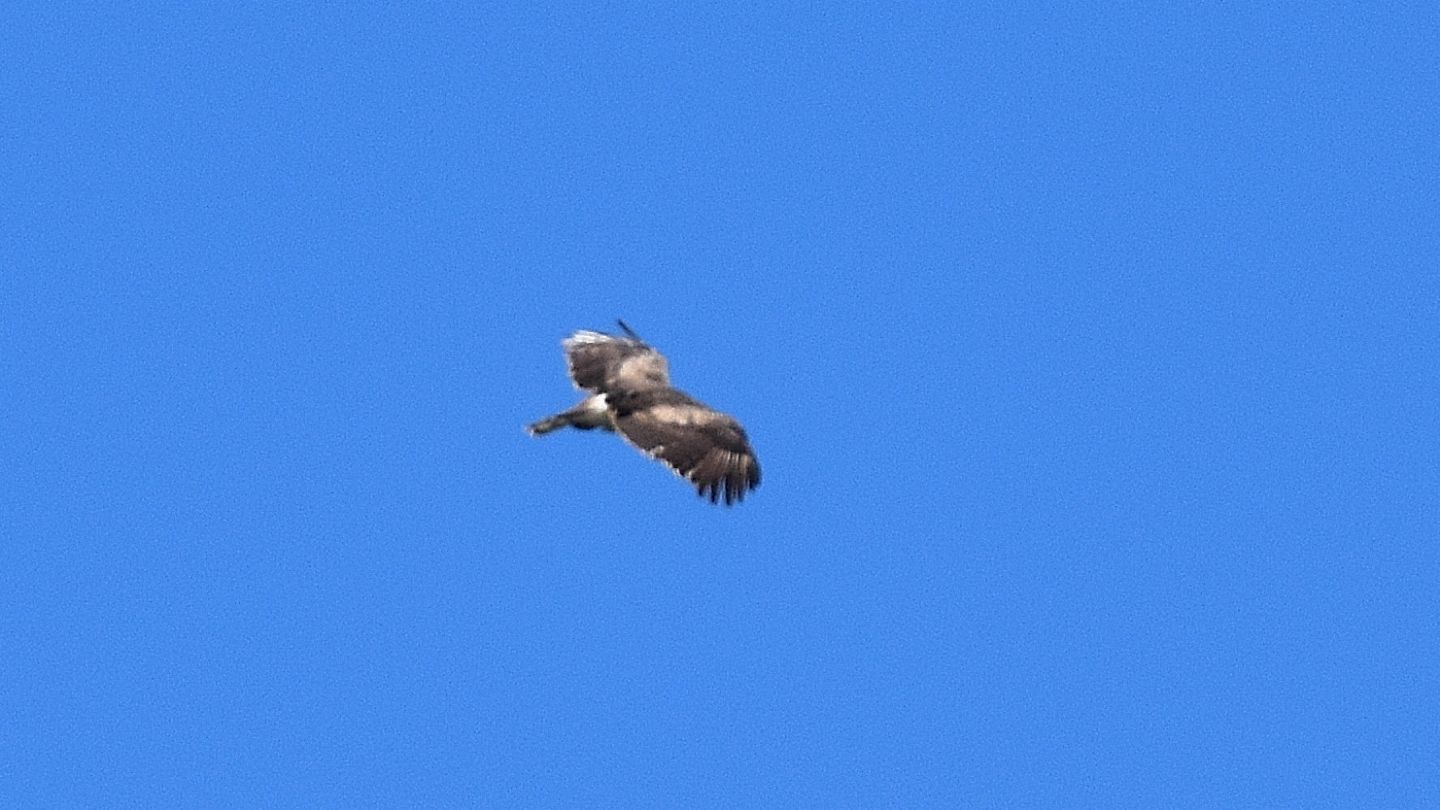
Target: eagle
pixel 627 385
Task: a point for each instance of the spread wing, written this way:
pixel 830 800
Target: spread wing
pixel 599 362
pixel 700 444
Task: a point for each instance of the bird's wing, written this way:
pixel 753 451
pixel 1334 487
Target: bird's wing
pixel 599 362
pixel 700 444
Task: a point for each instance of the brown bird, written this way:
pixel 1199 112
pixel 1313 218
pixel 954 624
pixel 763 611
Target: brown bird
pixel 628 392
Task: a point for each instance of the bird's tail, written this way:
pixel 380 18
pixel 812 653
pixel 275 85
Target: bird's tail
pixel 589 414
pixel 548 424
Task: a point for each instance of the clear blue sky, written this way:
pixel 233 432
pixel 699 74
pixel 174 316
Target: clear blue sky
pixel 1090 353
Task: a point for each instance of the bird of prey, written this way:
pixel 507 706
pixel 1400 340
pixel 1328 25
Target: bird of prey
pixel 627 385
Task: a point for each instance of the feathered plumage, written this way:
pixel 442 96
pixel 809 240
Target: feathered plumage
pixel 628 383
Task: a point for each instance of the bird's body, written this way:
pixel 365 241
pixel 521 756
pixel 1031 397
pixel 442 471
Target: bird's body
pixel 629 392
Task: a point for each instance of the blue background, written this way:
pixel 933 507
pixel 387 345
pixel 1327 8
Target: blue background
pixel 1089 351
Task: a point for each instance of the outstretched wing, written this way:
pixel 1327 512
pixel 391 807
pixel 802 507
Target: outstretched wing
pixel 700 444
pixel 599 362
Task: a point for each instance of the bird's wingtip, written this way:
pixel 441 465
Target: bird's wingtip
pixel 628 331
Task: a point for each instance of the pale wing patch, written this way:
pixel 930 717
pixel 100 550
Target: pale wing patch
pixel 681 415
pixel 586 336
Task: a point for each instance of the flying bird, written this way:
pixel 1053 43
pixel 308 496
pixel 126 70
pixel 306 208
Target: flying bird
pixel 627 385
